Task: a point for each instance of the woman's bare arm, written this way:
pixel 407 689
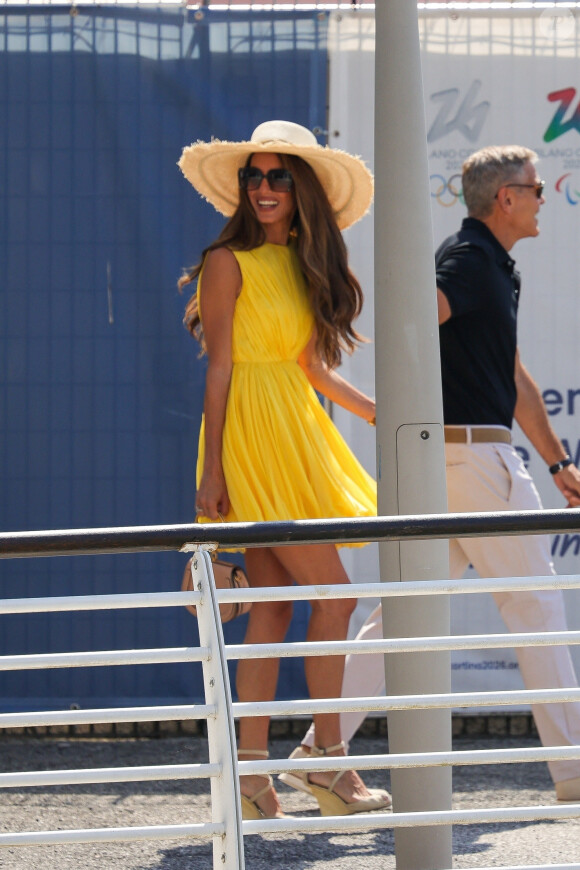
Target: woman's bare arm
pixel 221 285
pixel 332 385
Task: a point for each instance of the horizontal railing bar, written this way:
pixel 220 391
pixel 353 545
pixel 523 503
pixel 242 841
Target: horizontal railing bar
pixel 370 821
pixel 112 835
pixel 419 644
pixel 289 593
pixel 530 867
pixel 106 657
pixel 399 589
pixel 286 650
pixel 360 822
pixel 402 588
pixel 242 535
pixel 291 708
pixel 107 715
pixel 456 758
pixel 405 702
pixel 62 603
pixel 45 778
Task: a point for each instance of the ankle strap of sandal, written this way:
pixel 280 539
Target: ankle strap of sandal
pixel 317 750
pixel 261 753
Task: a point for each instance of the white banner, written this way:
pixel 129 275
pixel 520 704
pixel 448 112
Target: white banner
pixel 489 78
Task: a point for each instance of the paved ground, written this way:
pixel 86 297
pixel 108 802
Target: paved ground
pixel 538 843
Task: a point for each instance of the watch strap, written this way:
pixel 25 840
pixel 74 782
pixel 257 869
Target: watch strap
pixel 558 466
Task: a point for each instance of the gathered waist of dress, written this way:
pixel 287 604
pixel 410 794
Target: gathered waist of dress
pixel 265 362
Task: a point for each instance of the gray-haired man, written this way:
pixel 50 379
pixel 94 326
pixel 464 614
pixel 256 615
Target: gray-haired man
pixel 486 387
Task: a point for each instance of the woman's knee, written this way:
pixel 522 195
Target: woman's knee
pixel 271 618
pixel 338 609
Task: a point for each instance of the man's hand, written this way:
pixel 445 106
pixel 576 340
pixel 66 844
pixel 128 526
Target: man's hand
pixel 532 417
pixel 568 482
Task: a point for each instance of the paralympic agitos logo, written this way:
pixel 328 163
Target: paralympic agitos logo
pixel 569 187
pixel 558 126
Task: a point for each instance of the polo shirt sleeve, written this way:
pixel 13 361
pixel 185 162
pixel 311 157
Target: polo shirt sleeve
pixel 462 276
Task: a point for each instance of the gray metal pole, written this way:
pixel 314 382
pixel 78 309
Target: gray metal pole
pixel 410 448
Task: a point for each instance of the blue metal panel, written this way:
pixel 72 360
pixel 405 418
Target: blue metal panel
pixel 100 385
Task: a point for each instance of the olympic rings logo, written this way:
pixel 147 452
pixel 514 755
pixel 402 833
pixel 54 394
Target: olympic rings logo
pixel 446 192
pixel 566 186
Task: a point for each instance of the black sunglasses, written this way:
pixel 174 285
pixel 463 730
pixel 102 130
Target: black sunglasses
pixel 279 180
pixel 538 188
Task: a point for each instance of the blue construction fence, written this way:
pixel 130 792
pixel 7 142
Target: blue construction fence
pixel 101 388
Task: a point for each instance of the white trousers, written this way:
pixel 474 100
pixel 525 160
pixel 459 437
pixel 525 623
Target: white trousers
pixel 492 477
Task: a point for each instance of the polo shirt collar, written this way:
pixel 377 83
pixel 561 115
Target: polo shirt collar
pixel 502 255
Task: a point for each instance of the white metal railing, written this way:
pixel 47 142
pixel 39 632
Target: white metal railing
pixel 259 5
pixel 226 827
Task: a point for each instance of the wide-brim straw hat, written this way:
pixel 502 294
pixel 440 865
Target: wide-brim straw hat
pixel 212 168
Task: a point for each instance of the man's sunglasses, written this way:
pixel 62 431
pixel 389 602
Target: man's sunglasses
pixel 279 180
pixel 538 188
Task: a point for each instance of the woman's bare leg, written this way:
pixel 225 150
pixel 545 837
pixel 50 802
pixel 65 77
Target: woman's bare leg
pixel 319 564
pixel 364 676
pixel 256 679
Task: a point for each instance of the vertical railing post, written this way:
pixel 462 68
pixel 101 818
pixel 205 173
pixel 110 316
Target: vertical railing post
pixel 410 448
pixel 228 851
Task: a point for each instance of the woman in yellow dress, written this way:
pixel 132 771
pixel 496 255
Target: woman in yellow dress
pixel 274 307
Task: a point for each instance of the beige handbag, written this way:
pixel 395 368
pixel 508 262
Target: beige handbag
pixel 227 576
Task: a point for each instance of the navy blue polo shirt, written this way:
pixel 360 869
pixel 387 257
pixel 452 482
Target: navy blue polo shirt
pixel 478 343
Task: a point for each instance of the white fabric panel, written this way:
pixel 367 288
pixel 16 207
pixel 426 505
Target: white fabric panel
pixel 489 78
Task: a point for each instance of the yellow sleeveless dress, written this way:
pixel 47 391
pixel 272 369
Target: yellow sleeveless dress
pixel 283 458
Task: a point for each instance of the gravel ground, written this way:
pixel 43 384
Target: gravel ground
pixel 182 802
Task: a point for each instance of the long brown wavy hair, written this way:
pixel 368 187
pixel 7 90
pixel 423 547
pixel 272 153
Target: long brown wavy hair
pixel 335 294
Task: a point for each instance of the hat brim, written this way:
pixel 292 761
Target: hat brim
pixel 212 169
